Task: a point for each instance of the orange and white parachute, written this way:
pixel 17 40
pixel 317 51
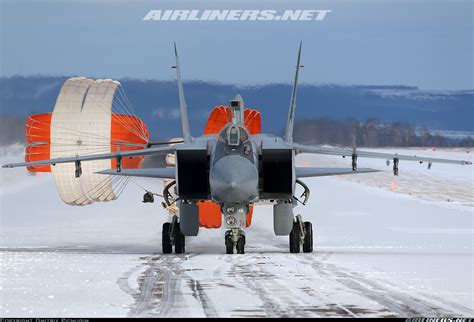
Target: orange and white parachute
pixel 222 115
pixel 83 123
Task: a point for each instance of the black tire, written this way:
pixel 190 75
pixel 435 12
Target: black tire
pixel 229 245
pixel 295 238
pixel 308 238
pixel 166 246
pixel 240 247
pixel 179 243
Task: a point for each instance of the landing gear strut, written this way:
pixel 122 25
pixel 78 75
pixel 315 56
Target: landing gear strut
pixel 235 238
pixel 301 235
pixel 172 236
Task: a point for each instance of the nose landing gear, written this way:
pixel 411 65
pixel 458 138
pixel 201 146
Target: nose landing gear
pixel 235 238
pixel 301 235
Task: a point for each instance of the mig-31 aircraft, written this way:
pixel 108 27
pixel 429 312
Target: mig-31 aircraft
pixel 233 168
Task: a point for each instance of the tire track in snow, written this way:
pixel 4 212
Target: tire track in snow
pixel 159 293
pixel 460 308
pixel 278 300
pixel 344 311
pixel 200 295
pixel 283 289
pixel 400 303
pixel 148 281
pixel 159 287
pixel 239 268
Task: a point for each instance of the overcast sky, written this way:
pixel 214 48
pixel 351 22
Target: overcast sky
pixel 422 43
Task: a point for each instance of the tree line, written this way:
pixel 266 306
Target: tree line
pixel 371 133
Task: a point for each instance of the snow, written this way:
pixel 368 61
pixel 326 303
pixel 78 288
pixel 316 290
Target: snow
pixel 382 249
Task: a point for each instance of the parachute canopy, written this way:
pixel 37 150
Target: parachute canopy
pixel 83 123
pixel 221 115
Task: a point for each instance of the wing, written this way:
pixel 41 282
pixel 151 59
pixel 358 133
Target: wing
pixel 301 172
pixel 162 173
pixel 103 156
pixel 300 148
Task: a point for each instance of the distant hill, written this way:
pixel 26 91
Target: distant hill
pixel 157 103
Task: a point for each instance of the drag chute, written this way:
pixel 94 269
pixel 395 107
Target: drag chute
pixel 89 117
pixel 221 115
pixel 38 137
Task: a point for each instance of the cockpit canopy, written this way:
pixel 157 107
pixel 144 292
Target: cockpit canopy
pixel 233 135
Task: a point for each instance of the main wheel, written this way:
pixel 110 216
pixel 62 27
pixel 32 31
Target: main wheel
pixel 179 243
pixel 229 244
pixel 295 238
pixel 308 238
pixel 241 245
pixel 166 246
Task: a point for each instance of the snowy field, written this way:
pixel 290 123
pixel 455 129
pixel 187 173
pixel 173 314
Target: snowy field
pixel 385 246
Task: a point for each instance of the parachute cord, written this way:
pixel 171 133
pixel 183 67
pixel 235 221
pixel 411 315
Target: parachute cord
pixel 129 124
pixel 122 91
pixel 119 187
pixel 144 189
pixel 114 188
pixel 123 122
pixel 88 195
pixel 123 187
pixel 134 122
pixel 74 130
pixel 126 111
pixel 138 185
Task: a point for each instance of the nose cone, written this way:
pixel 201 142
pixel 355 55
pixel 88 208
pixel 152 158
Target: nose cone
pixel 233 179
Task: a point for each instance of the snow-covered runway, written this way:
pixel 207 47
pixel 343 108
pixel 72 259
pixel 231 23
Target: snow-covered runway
pixel 382 249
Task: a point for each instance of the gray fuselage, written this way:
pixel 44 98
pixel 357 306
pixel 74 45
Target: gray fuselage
pixel 233 173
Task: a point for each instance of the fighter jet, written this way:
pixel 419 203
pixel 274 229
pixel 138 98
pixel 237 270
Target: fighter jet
pixel 235 170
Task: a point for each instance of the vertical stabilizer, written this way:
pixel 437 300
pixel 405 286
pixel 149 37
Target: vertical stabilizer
pixel 291 113
pixel 182 103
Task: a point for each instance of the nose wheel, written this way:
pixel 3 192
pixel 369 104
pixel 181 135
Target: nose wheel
pixel 171 235
pixel 235 238
pixel 301 235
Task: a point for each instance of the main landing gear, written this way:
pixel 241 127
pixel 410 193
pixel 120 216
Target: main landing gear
pixel 172 236
pixel 235 238
pixel 301 235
